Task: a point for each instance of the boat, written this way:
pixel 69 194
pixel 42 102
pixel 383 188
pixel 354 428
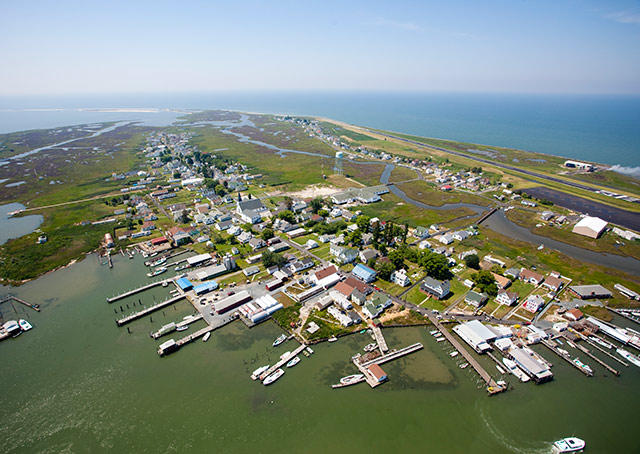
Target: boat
pixel 13 328
pixel 628 356
pixel 571 344
pixel 569 444
pixel 206 337
pixel 440 339
pixel 259 371
pixel 333 339
pixel 305 353
pixel 24 325
pixel 182 328
pixel 273 377
pixel 160 261
pixel 308 349
pixel 351 379
pixel 165 283
pixel 541 247
pixel 434 332
pixel 363 331
pixel 285 355
pixel 182 267
pixel 293 362
pixel 370 347
pixel 464 365
pixel 160 270
pixel 500 369
pixel 279 340
pixel 453 354
pixel 559 342
pixel 564 352
pixel 582 365
pixel 597 340
pixel 513 368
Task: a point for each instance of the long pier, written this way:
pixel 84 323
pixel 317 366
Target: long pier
pixel 148 310
pixel 282 362
pixel 623 314
pixel 381 341
pixel 597 360
pixel 554 349
pixel 6 298
pixel 198 334
pixel 394 355
pixel 137 290
pixel 161 332
pixel 595 345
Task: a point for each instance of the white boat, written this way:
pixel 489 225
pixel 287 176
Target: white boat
pixel 12 327
pixel 569 444
pixel 513 368
pixel 293 362
pixel 434 332
pixel 564 352
pixel 182 328
pixel 582 365
pixel 464 365
pixel 370 347
pixel 24 325
pixel 454 354
pixel 285 355
pixel 351 379
pixel 500 369
pixel 273 377
pixel 628 356
pixel 597 340
pixel 333 339
pixel 279 340
pixel 160 270
pixel 159 261
pixel 206 337
pixel 309 350
pixel 440 339
pixel 259 371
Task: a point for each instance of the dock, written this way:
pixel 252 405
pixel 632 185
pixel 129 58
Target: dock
pixel 161 332
pixel 380 340
pixel 6 298
pixel 553 347
pixel 148 310
pixel 597 360
pixel 282 362
pixel 175 346
pixel 137 290
pixel 395 354
pixel 623 313
pixel 492 386
pixel 593 344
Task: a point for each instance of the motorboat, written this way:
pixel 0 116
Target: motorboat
pixel 12 327
pixel 333 339
pixel 309 350
pixel 160 270
pixel 464 365
pixel 569 444
pixel 628 356
pixel 434 332
pixel 601 342
pixel 206 337
pixel 582 365
pixel 24 325
pixel 440 339
pixel 351 379
pixel 279 340
pixel 285 355
pixel 370 347
pixel 259 371
pixel 500 369
pixel 273 377
pixel 515 370
pixel 182 328
pixel 160 261
pixel 564 352
pixel 293 362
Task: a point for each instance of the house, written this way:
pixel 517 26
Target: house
pixel 513 272
pixel 355 318
pixel 358 284
pixel 348 215
pixel 323 273
pixel 358 297
pixel 434 287
pixel 400 277
pixel 364 273
pixel 311 244
pixel 326 238
pixel 590 226
pixel 573 315
pixel 147 226
pixel 424 245
pixel 250 209
pixel 460 235
pixel 553 283
pixel 250 271
pixel 279 246
pixel 256 243
pixel 367 239
pixel 501 281
pixel 343 318
pixel 533 303
pixel 590 291
pixel 235 230
pixel 223 225
pixel 342 254
pixel 381 300
pixel 531 277
pixel 245 237
pixel 475 299
pixel 421 232
pixel 345 289
pixel 371 311
pixel 368 254
pixel 507 298
pixel 340 299
pixel 301 265
pixel 447 238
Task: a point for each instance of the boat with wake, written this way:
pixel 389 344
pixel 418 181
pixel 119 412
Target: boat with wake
pixel 569 444
pixel 279 340
pixel 273 377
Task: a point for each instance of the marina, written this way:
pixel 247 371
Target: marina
pixel 148 310
pixel 282 361
pixel 113 299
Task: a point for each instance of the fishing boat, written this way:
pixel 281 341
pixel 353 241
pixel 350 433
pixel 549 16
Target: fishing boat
pixel 628 356
pixel 273 377
pixel 293 362
pixel 159 262
pixel 453 354
pixel 24 325
pixel 279 340
pixel 569 444
pixel 370 347
pixel 160 270
pixel 182 328
pixel 582 365
pixel 308 349
pixel 440 339
pixel 513 368
pixel 333 339
pixel 206 337
pixel 259 371
pixel 464 365
pixel 349 379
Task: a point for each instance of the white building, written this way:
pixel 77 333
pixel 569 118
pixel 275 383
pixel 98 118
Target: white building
pixel 400 277
pixel 590 226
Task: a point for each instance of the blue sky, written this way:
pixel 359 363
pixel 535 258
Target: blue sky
pixel 456 46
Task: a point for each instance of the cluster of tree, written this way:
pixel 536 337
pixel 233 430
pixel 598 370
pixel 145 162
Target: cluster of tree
pixel 115 201
pixel 472 261
pixel 485 282
pixel 436 265
pixel 323 228
pixel 476 170
pixel 270 259
pixel 267 234
pixel 288 216
pixel 219 189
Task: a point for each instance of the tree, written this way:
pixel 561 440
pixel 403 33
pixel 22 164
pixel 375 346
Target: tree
pixel 316 205
pixel 384 269
pixel 472 261
pixel 405 233
pixel 270 259
pixel 288 202
pixel 356 238
pixel 267 234
pixel 287 216
pixel 220 190
pixel 231 239
pixel 184 217
pixel 397 259
pixel 485 282
pixel 363 223
pixel 376 232
pixel 323 213
pixel 435 265
pixel 177 175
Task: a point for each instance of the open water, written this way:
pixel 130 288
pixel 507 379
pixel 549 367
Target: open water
pixel 78 383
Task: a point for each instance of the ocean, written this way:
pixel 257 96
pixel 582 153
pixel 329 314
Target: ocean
pixel 595 128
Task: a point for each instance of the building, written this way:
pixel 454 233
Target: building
pixel 323 273
pixel 368 254
pixel 205 288
pixel 400 277
pixel 573 314
pixel 533 303
pixel 513 272
pixel 434 287
pixel 343 318
pixel 476 335
pixel 257 243
pixel 501 281
pixel 475 299
pixel 553 283
pixel 345 289
pixel 589 226
pixel 108 241
pixel 531 277
pixel 231 302
pixel 421 232
pixel 342 254
pixel 250 271
pixel 364 273
pixel 532 366
pixel 579 165
pixel 371 310
pixel 184 284
pixel 377 372
pixel 300 265
pixel 358 285
pixel 585 292
pixel 507 298
pixel 250 210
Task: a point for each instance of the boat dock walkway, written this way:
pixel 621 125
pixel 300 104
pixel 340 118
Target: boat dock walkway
pixel 282 362
pixel 595 345
pixel 596 359
pixel 492 386
pixel 148 310
pixel 161 332
pixel 138 290
pixel 394 355
pixel 554 348
pixel 380 340
pixel 6 298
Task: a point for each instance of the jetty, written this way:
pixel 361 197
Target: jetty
pixel 7 298
pixel 380 340
pixel 395 354
pixel 137 290
pixel 149 310
pixel 172 345
pixel 282 362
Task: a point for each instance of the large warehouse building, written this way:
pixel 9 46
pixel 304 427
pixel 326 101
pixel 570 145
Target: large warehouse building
pixel 590 226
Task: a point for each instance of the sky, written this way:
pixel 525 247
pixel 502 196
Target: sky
pixel 511 46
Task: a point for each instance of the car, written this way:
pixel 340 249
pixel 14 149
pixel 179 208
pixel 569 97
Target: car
pixel 231 292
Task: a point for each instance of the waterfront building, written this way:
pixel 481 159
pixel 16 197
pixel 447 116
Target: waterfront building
pixel 476 335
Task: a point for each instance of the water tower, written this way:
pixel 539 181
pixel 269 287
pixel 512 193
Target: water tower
pixel 338 167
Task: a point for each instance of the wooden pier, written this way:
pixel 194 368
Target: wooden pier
pixel 160 332
pixel 137 290
pixel 595 345
pixel 380 340
pixel 553 347
pixel 597 360
pixel 197 335
pixel 282 362
pixel 6 298
pixel 395 354
pixel 148 310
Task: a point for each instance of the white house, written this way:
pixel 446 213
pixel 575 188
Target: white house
pixel 534 303
pixel 508 298
pixel 400 277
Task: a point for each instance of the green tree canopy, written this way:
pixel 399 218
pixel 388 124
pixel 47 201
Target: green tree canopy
pixel 485 282
pixel 472 261
pixel 270 259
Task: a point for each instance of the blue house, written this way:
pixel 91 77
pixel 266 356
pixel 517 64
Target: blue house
pixel 364 273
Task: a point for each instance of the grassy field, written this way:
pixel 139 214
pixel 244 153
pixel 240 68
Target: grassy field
pixel 429 194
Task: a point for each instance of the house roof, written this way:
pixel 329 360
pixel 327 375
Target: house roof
pixel 328 271
pixel 363 271
pixel 251 205
pixel 359 285
pixel 344 288
pixel 592 223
